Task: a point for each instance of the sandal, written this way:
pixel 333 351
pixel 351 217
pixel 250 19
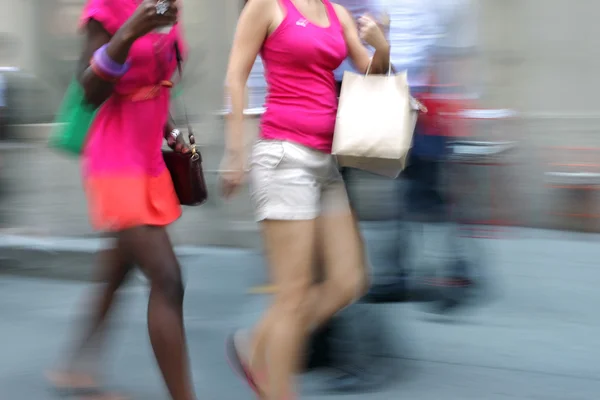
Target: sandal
pixel 87 391
pixel 237 364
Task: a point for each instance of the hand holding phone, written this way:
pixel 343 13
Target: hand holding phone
pixel 164 4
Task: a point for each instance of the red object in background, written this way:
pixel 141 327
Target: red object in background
pixel 444 114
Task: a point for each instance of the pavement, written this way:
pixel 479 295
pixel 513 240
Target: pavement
pixel 539 337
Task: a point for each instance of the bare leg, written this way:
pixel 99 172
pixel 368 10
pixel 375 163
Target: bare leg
pixel 344 259
pixel 343 255
pixel 113 268
pixel 153 251
pixel 290 249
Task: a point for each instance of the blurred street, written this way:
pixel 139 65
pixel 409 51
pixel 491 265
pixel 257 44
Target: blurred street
pixel 505 143
pixel 537 338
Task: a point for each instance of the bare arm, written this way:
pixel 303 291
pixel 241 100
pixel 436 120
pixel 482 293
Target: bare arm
pixel 97 90
pixel 357 52
pixel 144 20
pixel 252 29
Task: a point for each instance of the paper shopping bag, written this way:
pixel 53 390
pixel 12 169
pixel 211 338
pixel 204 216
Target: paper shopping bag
pixel 375 123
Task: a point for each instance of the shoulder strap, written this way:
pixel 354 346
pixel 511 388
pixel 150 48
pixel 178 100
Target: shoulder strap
pixel 289 8
pixel 332 14
pixel 191 137
pixel 179 59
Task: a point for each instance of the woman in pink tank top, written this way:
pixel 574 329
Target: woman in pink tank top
pixel 296 189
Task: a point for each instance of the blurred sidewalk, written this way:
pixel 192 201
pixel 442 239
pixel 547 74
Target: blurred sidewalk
pixel 538 339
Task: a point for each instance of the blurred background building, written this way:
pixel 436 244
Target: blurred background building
pixel 532 56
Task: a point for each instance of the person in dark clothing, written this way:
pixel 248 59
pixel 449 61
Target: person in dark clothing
pixel 417 196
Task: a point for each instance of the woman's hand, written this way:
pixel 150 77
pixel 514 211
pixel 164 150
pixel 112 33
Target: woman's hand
pixel 147 18
pixel 179 145
pixel 371 33
pixel 232 172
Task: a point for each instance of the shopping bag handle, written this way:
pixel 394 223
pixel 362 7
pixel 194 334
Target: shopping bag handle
pixel 415 104
pixel 390 68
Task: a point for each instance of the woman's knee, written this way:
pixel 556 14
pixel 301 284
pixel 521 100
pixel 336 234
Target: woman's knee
pixel 350 286
pixel 169 283
pixel 151 249
pixel 294 302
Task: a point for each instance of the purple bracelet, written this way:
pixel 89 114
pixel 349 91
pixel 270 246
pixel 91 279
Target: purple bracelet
pixel 108 65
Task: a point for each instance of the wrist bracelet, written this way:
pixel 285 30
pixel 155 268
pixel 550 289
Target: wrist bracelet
pixel 175 133
pixel 110 63
pixel 107 65
pixel 100 73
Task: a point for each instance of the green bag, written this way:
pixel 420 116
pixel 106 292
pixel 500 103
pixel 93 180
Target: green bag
pixel 73 121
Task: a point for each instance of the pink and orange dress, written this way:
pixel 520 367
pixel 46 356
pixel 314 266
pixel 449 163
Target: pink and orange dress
pixel 125 177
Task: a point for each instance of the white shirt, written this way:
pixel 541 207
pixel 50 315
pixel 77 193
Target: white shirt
pixel 415 28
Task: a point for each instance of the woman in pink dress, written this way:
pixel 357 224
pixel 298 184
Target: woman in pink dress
pixel 297 191
pixel 125 68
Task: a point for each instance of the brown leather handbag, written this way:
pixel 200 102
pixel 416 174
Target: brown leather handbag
pixel 187 175
pixel 186 168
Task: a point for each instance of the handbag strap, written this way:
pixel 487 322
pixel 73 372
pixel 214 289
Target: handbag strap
pixel 191 138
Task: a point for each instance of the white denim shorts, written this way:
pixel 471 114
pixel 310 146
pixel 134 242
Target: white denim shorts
pixel 289 181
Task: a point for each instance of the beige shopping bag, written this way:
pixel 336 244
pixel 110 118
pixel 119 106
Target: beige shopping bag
pixel 375 123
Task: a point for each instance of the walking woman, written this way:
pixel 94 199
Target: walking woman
pixel 297 191
pixel 126 64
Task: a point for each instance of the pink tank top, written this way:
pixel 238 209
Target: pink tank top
pixel 299 59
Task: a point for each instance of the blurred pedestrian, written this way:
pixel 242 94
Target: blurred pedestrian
pixel 413 29
pixel 416 30
pixel 442 89
pixel 296 188
pixel 125 69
